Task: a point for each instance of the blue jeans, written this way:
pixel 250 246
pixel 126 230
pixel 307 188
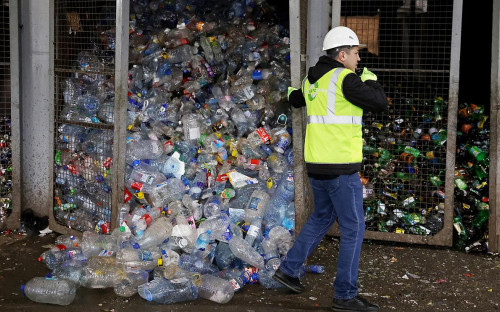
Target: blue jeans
pixel 338 199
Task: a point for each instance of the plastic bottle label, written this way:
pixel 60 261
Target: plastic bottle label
pixel 264 136
pixel 254 203
pixel 248 92
pixel 145 255
pixel 253 231
pixel 235 284
pixel 194 133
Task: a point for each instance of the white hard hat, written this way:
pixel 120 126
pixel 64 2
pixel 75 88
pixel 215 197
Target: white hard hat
pixel 341 36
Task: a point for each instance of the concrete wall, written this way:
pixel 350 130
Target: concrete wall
pixel 36 108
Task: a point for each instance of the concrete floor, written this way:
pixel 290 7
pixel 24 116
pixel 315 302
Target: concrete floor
pixel 395 276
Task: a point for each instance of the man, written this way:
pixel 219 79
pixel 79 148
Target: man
pixel 335 98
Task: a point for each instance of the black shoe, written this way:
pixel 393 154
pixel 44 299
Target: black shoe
pixel 357 303
pixel 293 283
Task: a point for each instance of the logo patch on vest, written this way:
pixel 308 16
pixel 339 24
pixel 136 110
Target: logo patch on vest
pixel 313 90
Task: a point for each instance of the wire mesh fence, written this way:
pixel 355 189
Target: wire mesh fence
pixel 5 115
pixel 409 48
pixel 84 104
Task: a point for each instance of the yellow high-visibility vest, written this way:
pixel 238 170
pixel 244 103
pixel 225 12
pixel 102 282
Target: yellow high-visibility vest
pixel 333 132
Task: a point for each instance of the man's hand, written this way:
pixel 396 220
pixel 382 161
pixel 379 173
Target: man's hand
pixel 290 90
pixel 367 75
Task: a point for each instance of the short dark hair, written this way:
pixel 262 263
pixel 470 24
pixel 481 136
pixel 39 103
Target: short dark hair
pixel 333 53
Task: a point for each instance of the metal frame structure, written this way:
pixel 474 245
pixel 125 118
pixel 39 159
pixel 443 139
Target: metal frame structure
pixel 444 237
pixel 119 130
pixel 13 221
pixel 494 182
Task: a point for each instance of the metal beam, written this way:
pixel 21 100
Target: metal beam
pixel 120 112
pixel 494 174
pixel 14 220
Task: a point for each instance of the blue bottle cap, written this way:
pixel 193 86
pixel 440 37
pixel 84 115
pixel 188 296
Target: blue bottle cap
pixel 136 163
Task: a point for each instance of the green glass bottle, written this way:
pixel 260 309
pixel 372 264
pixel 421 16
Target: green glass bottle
pixel 460 183
pixel 481 219
pixel 475 152
pixel 411 150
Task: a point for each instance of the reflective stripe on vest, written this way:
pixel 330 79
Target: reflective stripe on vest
pixel 330 117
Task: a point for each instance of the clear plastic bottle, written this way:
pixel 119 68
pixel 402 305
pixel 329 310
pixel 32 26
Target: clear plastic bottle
pixel 196 262
pixel 49 290
pixel 278 203
pixel 191 127
pixel 218 225
pixel 171 189
pixel 203 240
pixel 165 291
pixel 146 149
pixel 182 53
pixel 271 255
pixel 266 279
pixel 127 287
pixel 281 238
pixel 243 250
pixel 256 205
pixel 101 272
pixel 156 233
pixel 254 231
pixel 215 289
pixel 144 173
pixel 69 272
pixel 224 257
pixel 213 206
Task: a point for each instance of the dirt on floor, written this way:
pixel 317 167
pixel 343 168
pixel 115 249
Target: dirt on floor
pixel 397 277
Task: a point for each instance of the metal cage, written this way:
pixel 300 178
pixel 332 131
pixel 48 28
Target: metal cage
pixel 9 117
pixel 409 152
pixel 84 115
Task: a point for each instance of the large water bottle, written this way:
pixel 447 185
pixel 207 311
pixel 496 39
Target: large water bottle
pixel 48 290
pixel 281 238
pixel 215 289
pixel 94 243
pixel 213 206
pixel 243 250
pixel 130 255
pixel 146 149
pixel 172 189
pixel 156 233
pixel 195 262
pixel 101 272
pixel 127 287
pixel 271 255
pixel 88 105
pixel 257 204
pixel 55 258
pixel 224 257
pixel 182 53
pixel 165 291
pixel 69 272
pixel 278 203
pixel 218 225
pixel 144 173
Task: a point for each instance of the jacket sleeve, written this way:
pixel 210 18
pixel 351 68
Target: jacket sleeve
pixel 367 95
pixel 296 99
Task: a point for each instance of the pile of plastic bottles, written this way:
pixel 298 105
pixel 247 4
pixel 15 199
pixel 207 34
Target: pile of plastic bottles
pixel 471 179
pixel 5 170
pixel 205 108
pixel 404 165
pixel 209 183
pixel 172 261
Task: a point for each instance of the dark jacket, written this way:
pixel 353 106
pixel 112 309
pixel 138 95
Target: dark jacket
pixel 367 95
